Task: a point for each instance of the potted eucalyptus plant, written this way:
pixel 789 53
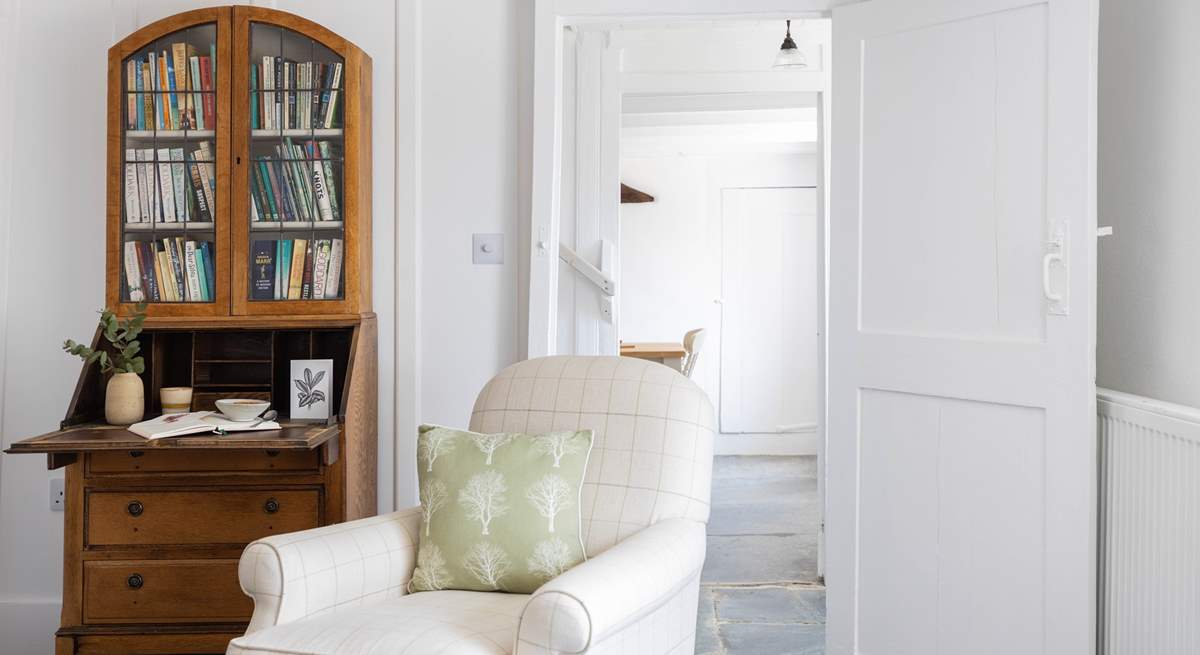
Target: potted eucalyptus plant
pixel 124 395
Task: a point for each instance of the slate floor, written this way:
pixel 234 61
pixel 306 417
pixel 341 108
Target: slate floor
pixel 759 590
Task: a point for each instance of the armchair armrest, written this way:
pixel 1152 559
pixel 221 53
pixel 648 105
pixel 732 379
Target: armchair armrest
pixel 596 599
pixel 291 576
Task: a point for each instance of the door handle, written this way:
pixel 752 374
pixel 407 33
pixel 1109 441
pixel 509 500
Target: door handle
pixel 1048 261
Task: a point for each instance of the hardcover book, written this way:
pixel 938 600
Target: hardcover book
pixel 262 270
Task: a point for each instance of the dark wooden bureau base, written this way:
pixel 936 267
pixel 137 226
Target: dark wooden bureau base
pixel 154 529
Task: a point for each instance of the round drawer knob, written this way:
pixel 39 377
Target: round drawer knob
pixel 271 506
pixel 135 581
pixel 136 453
pixel 135 508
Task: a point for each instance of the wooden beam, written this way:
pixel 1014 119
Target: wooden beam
pixel 632 195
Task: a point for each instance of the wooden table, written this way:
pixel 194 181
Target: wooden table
pixel 663 352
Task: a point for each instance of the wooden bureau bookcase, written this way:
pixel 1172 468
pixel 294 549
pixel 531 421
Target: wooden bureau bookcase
pixel 154 529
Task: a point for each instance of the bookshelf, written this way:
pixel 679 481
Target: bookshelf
pixel 239 168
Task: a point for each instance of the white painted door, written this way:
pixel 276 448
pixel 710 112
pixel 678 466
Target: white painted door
pixel 961 456
pixel 768 344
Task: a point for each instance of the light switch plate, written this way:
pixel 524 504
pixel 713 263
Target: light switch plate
pixel 487 249
pixel 58 496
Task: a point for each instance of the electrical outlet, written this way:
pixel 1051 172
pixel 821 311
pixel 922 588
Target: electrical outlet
pixel 58 494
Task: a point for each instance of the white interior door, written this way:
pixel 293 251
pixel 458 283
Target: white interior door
pixel 768 310
pixel 961 455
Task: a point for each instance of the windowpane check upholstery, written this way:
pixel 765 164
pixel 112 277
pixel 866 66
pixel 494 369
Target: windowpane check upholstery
pixel 340 589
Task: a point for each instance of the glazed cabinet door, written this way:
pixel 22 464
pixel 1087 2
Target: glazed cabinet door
pixel 300 193
pixel 168 162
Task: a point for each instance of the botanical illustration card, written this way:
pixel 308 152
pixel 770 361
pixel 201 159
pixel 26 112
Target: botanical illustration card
pixel 310 388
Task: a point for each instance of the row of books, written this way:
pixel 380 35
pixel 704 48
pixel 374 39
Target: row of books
pixel 181 81
pixel 296 185
pixel 295 95
pixel 170 270
pixel 296 269
pixel 164 198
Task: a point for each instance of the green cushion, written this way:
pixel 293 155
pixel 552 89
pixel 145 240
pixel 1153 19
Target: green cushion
pixel 500 512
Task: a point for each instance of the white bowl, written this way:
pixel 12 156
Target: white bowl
pixel 242 409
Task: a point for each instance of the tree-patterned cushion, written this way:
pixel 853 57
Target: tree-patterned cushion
pixel 500 512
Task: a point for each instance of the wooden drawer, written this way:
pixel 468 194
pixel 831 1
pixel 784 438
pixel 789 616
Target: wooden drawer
pixel 163 591
pixel 216 516
pixel 200 462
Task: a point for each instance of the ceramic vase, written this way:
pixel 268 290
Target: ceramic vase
pixel 124 399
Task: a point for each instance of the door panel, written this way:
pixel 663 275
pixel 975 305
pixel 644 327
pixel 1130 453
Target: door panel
pixel 978 191
pixel 769 310
pixel 961 443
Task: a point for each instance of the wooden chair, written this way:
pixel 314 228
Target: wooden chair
pixel 692 342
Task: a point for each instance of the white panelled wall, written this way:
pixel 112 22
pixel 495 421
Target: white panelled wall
pixel 457 155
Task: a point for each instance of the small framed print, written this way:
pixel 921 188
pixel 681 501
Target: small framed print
pixel 311 381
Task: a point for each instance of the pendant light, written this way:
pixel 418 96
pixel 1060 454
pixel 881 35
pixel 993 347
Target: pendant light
pixel 789 55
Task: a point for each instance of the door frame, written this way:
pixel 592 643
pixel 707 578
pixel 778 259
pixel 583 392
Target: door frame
pixel 550 19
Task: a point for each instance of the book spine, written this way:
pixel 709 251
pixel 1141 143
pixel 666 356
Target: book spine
pixel 167 76
pixel 289 80
pixel 206 84
pixel 175 264
pixel 330 180
pixel 320 186
pixel 267 80
pixel 333 277
pixel 254 122
pixel 315 110
pixel 326 89
pixel 278 68
pixel 165 278
pixel 201 275
pixel 202 208
pixel 320 268
pixel 278 267
pixel 132 212
pixel 149 276
pixel 263 183
pixel 275 174
pixel 262 273
pixel 130 98
pixel 178 184
pixel 306 284
pixel 165 186
pixel 285 266
pixel 147 98
pixel 296 181
pixel 179 59
pixel 206 183
pixel 197 106
pixel 139 100
pixel 133 276
pixel 155 108
pixel 192 271
pixel 296 283
pixel 209 273
pixel 331 111
pixel 146 182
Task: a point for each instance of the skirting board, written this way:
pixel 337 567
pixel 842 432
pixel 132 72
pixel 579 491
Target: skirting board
pixel 790 443
pixel 28 625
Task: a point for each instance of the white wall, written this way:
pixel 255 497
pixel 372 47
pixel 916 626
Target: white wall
pixel 1149 164
pixel 52 229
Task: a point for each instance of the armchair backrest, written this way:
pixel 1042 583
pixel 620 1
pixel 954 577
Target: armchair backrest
pixel 652 456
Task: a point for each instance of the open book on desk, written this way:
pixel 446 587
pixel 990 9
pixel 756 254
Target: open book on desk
pixel 178 425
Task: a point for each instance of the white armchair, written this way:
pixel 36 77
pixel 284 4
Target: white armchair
pixel 342 588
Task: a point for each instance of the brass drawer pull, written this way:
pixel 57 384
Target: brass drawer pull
pixel 271 506
pixel 135 581
pixel 135 508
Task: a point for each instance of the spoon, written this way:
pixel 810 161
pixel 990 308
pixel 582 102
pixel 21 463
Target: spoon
pixel 270 415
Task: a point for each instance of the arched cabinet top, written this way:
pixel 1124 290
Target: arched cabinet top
pixel 230 16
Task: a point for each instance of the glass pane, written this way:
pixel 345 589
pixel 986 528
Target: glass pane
pixel 296 152
pixel 168 229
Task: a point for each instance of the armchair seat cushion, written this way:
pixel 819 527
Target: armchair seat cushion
pixel 450 622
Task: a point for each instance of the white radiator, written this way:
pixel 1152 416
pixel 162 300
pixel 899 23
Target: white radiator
pixel 1149 526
